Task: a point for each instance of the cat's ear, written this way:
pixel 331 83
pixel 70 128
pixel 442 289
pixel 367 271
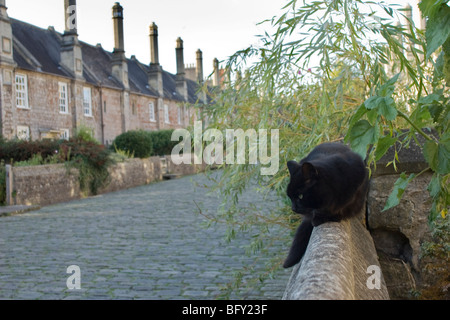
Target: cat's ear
pixel 293 167
pixel 309 171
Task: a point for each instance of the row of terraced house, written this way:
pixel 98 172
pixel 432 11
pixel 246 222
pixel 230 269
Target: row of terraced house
pixel 53 83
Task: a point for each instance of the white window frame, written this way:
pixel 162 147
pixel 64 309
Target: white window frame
pixel 23 133
pixel 63 100
pixel 151 107
pixel 166 114
pixel 87 101
pixel 65 134
pixel 21 81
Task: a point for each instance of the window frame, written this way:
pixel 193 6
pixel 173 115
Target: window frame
pixel 87 103
pixel 60 98
pixel 151 107
pixel 22 91
pixel 166 114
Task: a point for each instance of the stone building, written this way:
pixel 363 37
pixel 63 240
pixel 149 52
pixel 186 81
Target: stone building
pixel 53 83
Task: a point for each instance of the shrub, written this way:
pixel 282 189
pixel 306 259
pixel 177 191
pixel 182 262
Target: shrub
pixel 136 142
pixel 162 145
pixel 18 150
pixel 91 159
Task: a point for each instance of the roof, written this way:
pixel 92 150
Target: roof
pixel 38 49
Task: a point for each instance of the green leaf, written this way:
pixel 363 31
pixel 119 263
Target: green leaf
pixel 444 154
pixel 435 186
pixel 358 114
pixel 430 153
pixel 383 145
pixel 385 106
pixel 397 193
pixel 430 7
pixel 438 154
pixel 438 29
pixel 387 89
pixel 362 134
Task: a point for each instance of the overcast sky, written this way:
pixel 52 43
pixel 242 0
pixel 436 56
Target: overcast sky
pixel 217 27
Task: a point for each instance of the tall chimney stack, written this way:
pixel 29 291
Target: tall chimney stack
pixel 70 14
pixel 199 66
pixel 71 55
pixel 119 63
pixel 154 51
pixel 180 77
pixel 216 73
pixel 155 73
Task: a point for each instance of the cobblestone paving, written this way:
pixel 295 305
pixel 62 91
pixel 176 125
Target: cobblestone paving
pixel 141 243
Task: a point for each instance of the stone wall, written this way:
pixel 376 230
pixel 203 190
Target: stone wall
pixel 133 173
pixel 340 264
pixel 44 185
pixel 399 233
pixel 49 184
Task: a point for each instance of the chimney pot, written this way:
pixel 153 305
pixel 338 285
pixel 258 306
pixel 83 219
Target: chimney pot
pixel 154 50
pixel 179 43
pixel 181 83
pixel 70 14
pixel 199 66
pixel 216 74
pixel 118 28
pixel 180 57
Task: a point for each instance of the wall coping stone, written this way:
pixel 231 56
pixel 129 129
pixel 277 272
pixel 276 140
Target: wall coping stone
pixel 335 265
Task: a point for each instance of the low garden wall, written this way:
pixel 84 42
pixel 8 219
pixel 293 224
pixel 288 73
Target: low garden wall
pixel 49 184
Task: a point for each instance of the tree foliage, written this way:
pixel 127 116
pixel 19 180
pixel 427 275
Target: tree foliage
pixel 357 71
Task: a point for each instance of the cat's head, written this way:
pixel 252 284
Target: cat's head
pixel 302 186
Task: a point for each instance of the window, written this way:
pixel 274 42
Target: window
pixel 23 133
pixel 65 134
pixel 179 115
pixel 63 98
pixel 21 91
pixel 166 114
pixel 151 107
pixel 87 102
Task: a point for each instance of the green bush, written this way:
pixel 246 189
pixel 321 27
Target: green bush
pixel 162 145
pixel 91 159
pixel 81 152
pixel 136 142
pixel 19 150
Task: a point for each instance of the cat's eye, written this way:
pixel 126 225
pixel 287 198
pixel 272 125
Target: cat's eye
pixel 300 196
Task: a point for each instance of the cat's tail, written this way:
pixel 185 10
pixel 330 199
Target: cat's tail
pixel 299 244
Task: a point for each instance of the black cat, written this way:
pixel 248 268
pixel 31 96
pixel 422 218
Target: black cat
pixel 330 184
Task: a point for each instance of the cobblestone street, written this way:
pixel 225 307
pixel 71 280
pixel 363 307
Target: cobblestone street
pixel 141 243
